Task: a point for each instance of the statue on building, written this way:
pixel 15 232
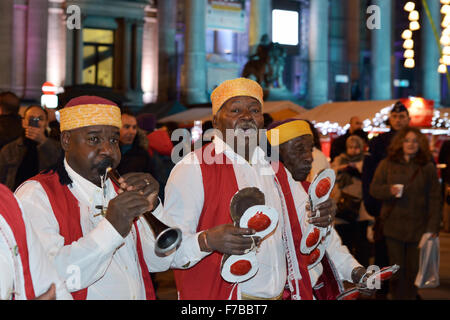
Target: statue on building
pixel 266 66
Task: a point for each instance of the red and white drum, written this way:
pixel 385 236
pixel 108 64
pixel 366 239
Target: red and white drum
pixel 236 269
pixel 262 219
pixel 321 187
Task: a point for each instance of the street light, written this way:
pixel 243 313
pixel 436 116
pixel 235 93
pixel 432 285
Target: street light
pixel 409 63
pixel 414 25
pixel 409 54
pixel 407 34
pixel 408 44
pixel 409 6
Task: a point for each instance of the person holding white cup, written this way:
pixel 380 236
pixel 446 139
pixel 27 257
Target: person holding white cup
pixel 407 183
pixel 397 190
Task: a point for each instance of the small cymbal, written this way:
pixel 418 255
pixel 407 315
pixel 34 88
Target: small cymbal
pixel 244 199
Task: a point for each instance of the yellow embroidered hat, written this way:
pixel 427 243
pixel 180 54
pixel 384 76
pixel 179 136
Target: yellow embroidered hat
pixel 283 131
pixel 235 88
pixel 87 111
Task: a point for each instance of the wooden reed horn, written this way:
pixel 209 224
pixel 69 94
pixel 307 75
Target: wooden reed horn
pixel 168 239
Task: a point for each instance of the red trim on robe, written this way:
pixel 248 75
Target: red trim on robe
pixel 10 211
pixel 306 292
pixel 328 282
pixel 203 281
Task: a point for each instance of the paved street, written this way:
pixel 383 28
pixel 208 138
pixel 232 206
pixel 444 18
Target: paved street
pixel 166 284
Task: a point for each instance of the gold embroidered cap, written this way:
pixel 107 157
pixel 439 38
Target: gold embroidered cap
pixel 287 130
pixel 235 88
pixel 87 111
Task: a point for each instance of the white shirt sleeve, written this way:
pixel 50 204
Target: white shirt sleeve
pixel 184 197
pixel 84 261
pixel 341 257
pixel 154 262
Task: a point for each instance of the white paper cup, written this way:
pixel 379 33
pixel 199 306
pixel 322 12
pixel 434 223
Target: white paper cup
pixel 400 190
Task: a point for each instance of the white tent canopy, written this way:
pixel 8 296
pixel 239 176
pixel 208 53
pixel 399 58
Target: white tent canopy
pixel 341 112
pixel 204 114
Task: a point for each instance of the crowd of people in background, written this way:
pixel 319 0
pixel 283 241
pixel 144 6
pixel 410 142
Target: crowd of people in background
pixel 388 194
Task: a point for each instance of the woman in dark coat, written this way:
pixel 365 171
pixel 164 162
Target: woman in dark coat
pixel 407 183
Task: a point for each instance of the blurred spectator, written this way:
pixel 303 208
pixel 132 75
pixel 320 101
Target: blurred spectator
pixel 352 219
pixel 407 184
pixel 135 157
pixel 31 153
pixel 398 119
pixel 338 145
pixel 320 160
pixel 146 121
pixel 444 158
pixel 10 121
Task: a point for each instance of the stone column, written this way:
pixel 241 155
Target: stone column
pixel 353 37
pixel 194 89
pixel 127 55
pixel 431 79
pixel 381 83
pixel 318 53
pixel 18 48
pixel 6 43
pixel 150 57
pixel 167 73
pixel 36 67
pixel 338 59
pixel 135 74
pixel 56 43
pixel 260 22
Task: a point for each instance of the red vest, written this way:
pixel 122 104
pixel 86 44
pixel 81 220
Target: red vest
pixel 10 211
pixel 203 281
pixel 67 213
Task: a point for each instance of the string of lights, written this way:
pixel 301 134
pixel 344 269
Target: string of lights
pixel 445 37
pixel 407 35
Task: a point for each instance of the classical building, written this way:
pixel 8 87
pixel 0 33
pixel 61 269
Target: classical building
pixel 166 50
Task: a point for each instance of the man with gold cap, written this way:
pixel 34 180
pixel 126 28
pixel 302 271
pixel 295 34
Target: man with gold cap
pixel 198 194
pixel 294 144
pixel 92 230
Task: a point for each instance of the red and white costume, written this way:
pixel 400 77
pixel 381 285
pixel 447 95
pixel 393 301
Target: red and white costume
pixel 198 197
pixel 25 271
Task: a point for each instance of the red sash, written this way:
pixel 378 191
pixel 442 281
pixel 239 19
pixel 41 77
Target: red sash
pixel 67 213
pixel 10 211
pixel 306 292
pixel 328 285
pixel 203 281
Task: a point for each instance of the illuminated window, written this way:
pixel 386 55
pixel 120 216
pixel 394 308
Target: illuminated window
pixel 98 57
pixel 285 27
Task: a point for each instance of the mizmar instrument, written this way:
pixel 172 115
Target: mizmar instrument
pixel 168 239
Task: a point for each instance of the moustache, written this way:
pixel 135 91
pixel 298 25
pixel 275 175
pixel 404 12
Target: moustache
pixel 248 128
pixel 103 165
